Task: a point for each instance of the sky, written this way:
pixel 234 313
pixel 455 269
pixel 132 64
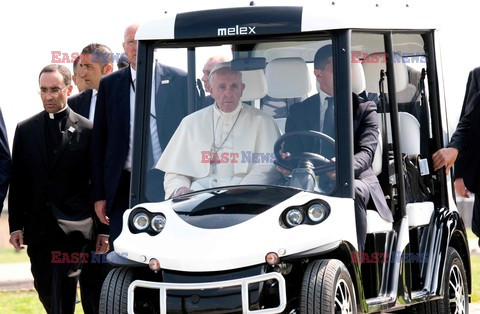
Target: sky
pixel 32 30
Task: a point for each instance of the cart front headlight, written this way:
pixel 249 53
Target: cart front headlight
pixel 318 212
pixel 311 213
pixel 294 217
pixel 141 221
pixel 158 223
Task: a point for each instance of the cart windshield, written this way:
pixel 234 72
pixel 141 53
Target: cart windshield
pixel 275 111
pixel 258 114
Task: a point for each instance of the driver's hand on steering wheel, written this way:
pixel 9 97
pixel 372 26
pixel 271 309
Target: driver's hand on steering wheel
pixel 282 170
pixel 332 174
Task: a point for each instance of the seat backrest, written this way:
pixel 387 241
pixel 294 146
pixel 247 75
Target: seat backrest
pixel 287 78
pixel 409 137
pixel 358 78
pixel 409 132
pixel 374 63
pixel 255 85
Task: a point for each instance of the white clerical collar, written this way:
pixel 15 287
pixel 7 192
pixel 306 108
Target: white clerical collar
pixel 227 114
pixel 52 115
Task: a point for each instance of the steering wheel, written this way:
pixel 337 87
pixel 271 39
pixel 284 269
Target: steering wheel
pixel 320 163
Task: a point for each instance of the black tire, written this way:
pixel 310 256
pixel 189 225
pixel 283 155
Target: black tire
pixel 114 295
pixel 327 288
pixel 455 293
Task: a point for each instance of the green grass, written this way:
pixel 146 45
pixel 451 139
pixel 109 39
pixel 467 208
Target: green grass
pixel 24 302
pixel 470 234
pixel 475 264
pixel 9 255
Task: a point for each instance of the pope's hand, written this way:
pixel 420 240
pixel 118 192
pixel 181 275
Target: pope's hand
pixel 181 191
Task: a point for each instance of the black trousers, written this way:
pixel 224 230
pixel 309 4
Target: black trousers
pixel 91 280
pixel 120 204
pixel 51 261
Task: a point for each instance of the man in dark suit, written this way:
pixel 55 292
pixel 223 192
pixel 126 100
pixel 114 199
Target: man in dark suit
pixel 5 162
pixel 464 145
pixel 316 113
pixel 80 103
pixel 207 100
pixel 79 82
pixel 467 155
pixel 472 88
pixel 50 208
pixel 95 63
pixel 113 132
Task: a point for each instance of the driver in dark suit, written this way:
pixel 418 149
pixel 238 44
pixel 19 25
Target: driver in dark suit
pixel 316 113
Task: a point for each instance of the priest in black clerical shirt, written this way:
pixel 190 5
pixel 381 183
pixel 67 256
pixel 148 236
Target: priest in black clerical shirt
pixel 50 207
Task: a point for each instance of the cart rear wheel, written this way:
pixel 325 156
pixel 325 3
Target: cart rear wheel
pixel 455 293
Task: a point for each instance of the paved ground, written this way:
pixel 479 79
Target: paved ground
pixel 15 276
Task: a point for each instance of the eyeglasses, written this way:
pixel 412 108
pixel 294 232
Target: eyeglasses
pixel 52 91
pixel 131 43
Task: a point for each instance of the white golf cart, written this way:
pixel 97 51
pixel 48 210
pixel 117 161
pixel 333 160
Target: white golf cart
pixel 291 247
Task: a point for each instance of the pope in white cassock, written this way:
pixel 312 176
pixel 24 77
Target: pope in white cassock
pixel 227 143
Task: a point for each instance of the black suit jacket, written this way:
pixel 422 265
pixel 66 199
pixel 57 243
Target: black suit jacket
pixel 80 103
pixel 5 162
pixel 112 123
pixel 466 158
pixel 306 116
pixel 466 139
pixel 39 193
pixel 471 90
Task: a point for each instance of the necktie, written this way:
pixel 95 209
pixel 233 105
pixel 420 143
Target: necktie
pixel 373 97
pixel 328 121
pixel 134 84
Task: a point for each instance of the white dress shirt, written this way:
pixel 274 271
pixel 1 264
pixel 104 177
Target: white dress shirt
pixel 93 102
pixel 128 162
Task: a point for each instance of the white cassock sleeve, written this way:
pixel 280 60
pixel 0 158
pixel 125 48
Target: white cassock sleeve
pixel 173 182
pixel 182 158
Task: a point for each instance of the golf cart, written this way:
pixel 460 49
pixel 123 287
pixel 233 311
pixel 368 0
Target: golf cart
pixel 291 246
